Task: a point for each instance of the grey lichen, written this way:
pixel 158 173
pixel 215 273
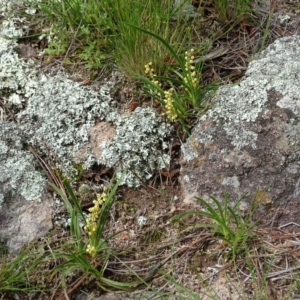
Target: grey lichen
pixel 138 147
pixel 17 77
pixel 292 105
pixel 236 106
pixel 58 111
pixel 233 181
pixel 12 25
pixel 53 115
pixel 17 168
pixel 240 136
pixel 189 150
pixel 58 115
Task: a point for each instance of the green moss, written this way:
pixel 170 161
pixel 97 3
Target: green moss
pixel 80 171
pixel 76 175
pixel 179 225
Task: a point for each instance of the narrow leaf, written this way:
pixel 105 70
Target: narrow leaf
pixel 163 41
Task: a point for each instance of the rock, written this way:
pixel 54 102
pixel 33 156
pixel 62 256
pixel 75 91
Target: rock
pixel 23 221
pixel 99 133
pixel 25 207
pixel 138 147
pixel 249 141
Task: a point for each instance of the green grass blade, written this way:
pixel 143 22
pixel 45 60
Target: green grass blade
pixel 204 225
pixel 184 214
pixel 213 214
pixel 163 41
pixel 170 79
pixel 74 199
pixel 63 196
pixel 237 219
pixel 104 212
pixel 120 285
pixel 221 211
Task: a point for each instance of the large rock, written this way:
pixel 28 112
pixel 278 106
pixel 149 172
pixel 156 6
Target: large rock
pixel 26 210
pixel 23 221
pixel 249 140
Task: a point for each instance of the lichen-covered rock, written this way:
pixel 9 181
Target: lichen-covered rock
pixel 58 116
pixel 61 119
pixel 99 133
pixel 139 146
pixel 25 207
pixel 23 221
pixel 18 175
pixel 249 140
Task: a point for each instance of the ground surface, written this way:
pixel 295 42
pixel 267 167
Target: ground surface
pixel 199 261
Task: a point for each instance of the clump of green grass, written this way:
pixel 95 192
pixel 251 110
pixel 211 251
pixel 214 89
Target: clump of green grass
pixel 97 31
pixel 87 253
pixel 232 10
pixel 15 274
pixel 181 93
pixel 134 48
pixel 78 27
pixel 226 223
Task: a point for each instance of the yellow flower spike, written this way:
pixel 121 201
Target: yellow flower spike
pixel 170 111
pixel 91 222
